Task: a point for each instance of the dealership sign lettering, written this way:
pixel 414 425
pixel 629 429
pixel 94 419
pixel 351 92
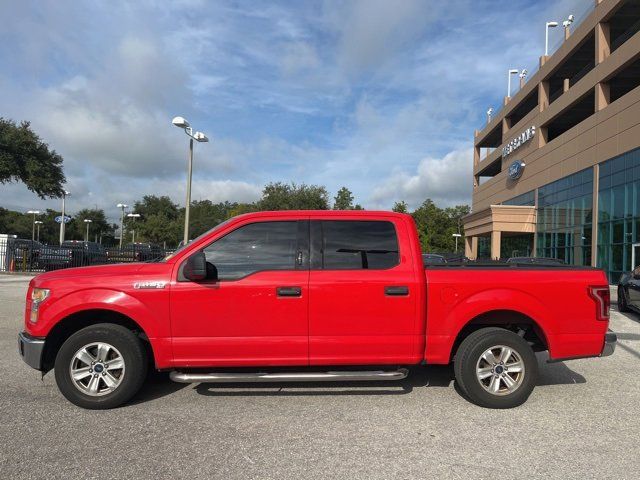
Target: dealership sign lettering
pixel 517 142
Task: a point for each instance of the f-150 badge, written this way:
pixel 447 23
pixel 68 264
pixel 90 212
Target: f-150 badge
pixel 147 285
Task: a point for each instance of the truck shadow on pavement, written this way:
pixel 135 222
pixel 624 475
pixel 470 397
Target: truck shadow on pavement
pixel 431 376
pixel 156 385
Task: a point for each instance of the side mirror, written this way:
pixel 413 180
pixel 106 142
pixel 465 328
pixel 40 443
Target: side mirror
pixel 195 268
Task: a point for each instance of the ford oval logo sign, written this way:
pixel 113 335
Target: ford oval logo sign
pixel 516 169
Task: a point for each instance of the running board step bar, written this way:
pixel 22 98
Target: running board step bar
pixel 257 377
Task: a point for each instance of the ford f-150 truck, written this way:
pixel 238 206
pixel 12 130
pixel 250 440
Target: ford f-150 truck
pixel 310 296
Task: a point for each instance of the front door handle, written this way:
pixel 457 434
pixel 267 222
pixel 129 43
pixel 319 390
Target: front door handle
pixel 396 291
pixel 289 291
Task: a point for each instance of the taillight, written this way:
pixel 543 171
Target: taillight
pixel 602 297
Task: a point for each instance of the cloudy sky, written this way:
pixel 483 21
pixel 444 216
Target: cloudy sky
pixel 381 96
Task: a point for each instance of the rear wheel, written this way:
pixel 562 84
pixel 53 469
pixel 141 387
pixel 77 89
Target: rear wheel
pixel 496 368
pixel 622 301
pixel 101 366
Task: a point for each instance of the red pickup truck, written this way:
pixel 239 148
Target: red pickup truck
pixel 310 296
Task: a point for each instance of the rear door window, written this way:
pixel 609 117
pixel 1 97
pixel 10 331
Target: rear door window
pixel 359 245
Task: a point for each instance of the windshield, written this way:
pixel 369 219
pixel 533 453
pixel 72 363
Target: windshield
pixel 181 246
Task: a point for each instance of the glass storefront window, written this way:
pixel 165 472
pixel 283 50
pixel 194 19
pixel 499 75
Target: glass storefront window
pixel 564 218
pixel 618 213
pixel 526 199
pixel 484 247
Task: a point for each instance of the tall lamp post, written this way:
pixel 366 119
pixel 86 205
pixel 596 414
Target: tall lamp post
pixel 133 230
pixel 33 225
pixel 547 26
pixel 87 222
pixel 198 137
pixel 38 223
pixel 65 194
pixel 457 236
pixel 121 206
pixel 512 71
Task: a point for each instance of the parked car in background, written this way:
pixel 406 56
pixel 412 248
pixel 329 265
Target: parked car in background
pixel 72 253
pixel 629 291
pixel 135 252
pixel 535 261
pixel 25 253
pixel 433 259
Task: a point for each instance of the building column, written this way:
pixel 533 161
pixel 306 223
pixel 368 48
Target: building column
pixel 506 125
pixel 602 95
pixel 471 247
pixel 594 215
pixel 543 96
pixel 496 236
pixel 603 43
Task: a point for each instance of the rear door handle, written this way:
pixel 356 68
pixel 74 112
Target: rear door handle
pixel 396 291
pixel 289 291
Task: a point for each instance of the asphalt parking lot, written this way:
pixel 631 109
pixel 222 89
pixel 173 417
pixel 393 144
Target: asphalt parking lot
pixel 582 421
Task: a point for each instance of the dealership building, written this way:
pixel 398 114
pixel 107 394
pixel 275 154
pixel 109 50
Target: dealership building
pixel 556 171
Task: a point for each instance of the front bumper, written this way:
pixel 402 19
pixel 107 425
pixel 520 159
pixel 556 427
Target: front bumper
pixel 610 340
pixel 30 349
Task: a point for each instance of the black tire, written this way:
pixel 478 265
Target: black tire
pixel 128 346
pixel 622 301
pixel 468 357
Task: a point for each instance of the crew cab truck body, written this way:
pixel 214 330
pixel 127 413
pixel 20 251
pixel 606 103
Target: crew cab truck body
pixel 309 295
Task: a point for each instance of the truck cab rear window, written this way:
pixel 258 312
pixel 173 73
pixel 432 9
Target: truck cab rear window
pixel 253 248
pixel 355 245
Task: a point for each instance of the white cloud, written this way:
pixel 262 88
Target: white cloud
pixel 445 180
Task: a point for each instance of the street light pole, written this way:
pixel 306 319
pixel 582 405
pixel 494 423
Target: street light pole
pixel 33 225
pixel 87 221
pixel 199 137
pixel 512 71
pixel 38 223
pixel 457 236
pixel 185 239
pixel 65 194
pixel 122 206
pixel 133 230
pixel 547 26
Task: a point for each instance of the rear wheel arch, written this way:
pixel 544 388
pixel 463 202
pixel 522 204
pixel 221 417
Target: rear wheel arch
pixel 79 320
pixel 511 320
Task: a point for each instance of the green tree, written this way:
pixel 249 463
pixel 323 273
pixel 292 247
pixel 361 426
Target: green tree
pixel 15 223
pixel 20 224
pixel 436 226
pixel 282 196
pixel 204 215
pixel 241 208
pixel 161 221
pixel 154 205
pixel 25 158
pixel 343 200
pixel 400 207
pixel 99 226
pixel 157 230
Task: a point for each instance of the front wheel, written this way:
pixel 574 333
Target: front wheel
pixel 496 368
pixel 101 366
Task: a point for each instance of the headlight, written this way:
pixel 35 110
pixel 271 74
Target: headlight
pixel 39 295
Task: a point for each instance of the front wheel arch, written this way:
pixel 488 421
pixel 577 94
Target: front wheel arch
pixel 85 318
